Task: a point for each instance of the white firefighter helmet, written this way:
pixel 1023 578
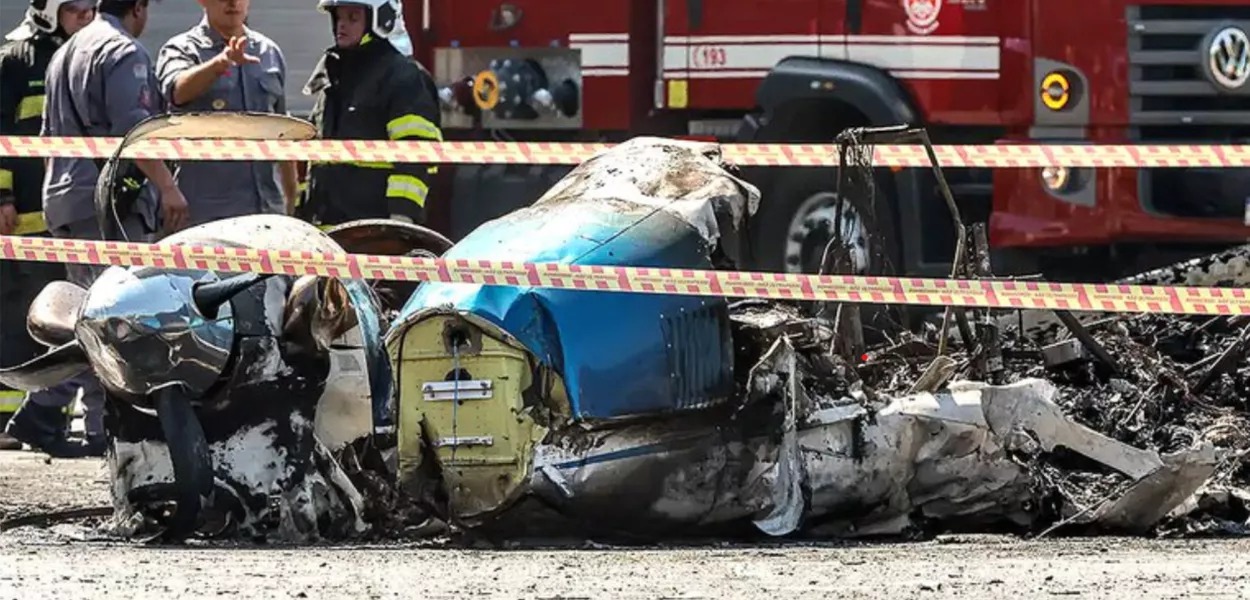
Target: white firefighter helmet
pixel 41 15
pixel 386 20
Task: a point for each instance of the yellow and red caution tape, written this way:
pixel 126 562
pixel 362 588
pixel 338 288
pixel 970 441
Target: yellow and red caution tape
pixel 777 286
pixel 879 290
pixel 571 153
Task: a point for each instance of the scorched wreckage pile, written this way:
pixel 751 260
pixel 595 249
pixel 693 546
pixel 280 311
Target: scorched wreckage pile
pixel 303 408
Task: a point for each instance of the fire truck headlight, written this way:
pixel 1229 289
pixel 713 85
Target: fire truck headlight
pixel 1056 91
pixel 1057 179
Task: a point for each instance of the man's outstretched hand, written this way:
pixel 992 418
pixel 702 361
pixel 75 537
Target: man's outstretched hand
pixel 236 52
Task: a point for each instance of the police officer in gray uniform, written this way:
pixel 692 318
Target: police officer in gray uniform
pixel 221 64
pixel 100 83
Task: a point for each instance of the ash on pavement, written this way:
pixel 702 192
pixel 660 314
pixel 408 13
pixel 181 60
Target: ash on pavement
pixel 66 560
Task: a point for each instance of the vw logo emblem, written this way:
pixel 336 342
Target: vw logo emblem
pixel 1228 57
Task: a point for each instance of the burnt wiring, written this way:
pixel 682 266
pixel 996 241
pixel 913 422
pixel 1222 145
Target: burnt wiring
pixel 854 176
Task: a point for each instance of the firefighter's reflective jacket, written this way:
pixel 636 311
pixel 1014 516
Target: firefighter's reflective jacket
pixel 22 66
pixel 23 63
pixel 370 92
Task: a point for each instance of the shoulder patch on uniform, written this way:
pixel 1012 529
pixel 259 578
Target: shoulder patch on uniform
pixel 141 71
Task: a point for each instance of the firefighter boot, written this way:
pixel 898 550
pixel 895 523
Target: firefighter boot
pixel 75 448
pixel 8 442
pixel 38 426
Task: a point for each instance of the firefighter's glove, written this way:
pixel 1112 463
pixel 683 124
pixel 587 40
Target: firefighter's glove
pixel 8 214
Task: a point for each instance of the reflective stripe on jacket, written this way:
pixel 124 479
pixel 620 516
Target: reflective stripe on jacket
pixel 22 67
pixel 372 93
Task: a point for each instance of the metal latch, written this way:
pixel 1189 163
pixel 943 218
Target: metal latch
pixel 445 391
pixel 476 440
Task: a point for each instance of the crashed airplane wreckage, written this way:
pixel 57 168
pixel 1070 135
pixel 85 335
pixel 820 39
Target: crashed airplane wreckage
pixel 537 411
pixel 541 412
pixel 237 405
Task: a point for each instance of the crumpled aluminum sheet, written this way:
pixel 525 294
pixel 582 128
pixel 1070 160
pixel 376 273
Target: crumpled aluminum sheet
pixel 688 179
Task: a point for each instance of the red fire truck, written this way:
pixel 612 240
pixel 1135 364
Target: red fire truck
pixel 970 71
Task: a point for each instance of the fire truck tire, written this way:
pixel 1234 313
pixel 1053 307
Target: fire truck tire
pixel 795 222
pixel 796 218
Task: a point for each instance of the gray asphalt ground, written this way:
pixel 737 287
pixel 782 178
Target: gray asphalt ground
pixel 66 560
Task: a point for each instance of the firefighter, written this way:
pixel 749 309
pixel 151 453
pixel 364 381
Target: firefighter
pixel 367 87
pixel 99 83
pixel 24 61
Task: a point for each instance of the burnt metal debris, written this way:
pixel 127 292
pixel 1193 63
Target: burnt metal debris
pixel 1178 387
pixel 1073 423
pixel 1174 383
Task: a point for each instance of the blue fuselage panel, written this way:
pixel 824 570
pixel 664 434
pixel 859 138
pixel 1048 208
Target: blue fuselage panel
pixel 620 354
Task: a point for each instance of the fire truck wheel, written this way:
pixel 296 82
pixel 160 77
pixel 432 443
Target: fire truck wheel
pixel 796 221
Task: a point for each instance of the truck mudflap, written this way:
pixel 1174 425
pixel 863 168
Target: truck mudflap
pixel 463 385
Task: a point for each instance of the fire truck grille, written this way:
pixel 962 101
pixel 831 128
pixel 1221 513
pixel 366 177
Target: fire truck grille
pixel 1174 99
pixel 1171 91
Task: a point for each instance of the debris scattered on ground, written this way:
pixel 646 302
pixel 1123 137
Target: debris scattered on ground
pixel 1157 382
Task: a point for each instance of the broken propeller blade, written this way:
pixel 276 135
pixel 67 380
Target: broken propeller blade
pixel 193 466
pixel 210 297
